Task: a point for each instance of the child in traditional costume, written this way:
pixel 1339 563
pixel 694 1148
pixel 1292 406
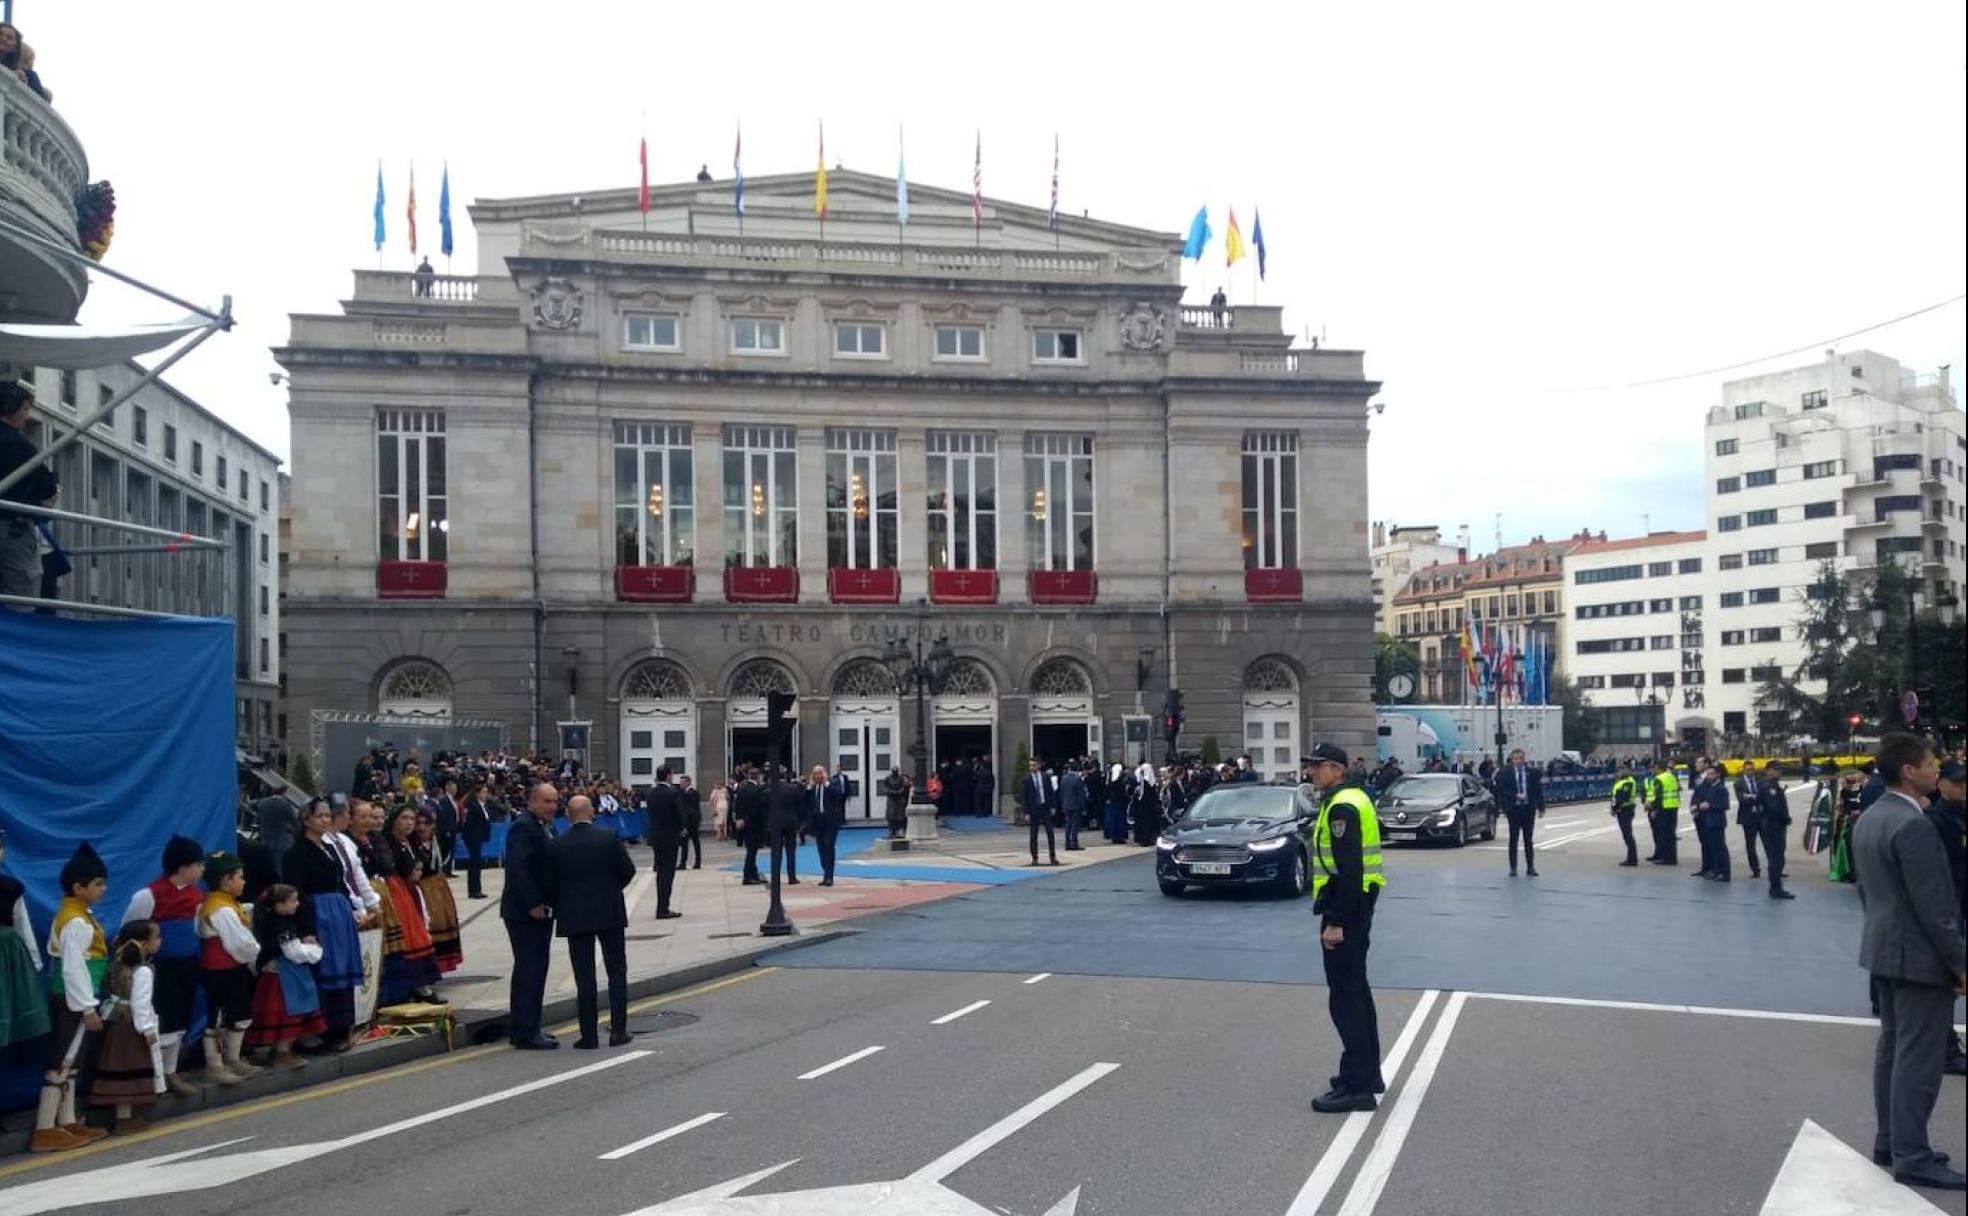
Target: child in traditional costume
pixel 440 905
pixel 409 961
pixel 129 1071
pixel 173 900
pixel 77 956
pixel 286 1004
pixel 24 1021
pixel 227 951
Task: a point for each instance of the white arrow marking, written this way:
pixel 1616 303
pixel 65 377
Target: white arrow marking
pixel 661 1136
pixel 172 1174
pixel 1823 1176
pixel 947 1018
pixel 975 1147
pixel 843 1062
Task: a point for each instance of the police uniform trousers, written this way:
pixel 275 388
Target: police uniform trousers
pixel 1773 852
pixel 1666 847
pixel 1349 998
pixel 1625 820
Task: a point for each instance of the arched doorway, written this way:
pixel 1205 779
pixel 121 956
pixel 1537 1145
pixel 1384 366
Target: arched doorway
pixel 415 688
pixel 1064 724
pixel 964 721
pixel 864 722
pixel 1271 718
pixel 747 740
pixel 659 722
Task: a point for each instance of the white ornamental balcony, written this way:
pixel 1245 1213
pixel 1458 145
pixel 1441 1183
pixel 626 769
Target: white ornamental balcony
pixel 42 170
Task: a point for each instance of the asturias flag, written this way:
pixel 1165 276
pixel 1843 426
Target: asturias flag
pixel 1199 234
pixel 738 170
pixel 379 206
pixel 1233 241
pixel 444 213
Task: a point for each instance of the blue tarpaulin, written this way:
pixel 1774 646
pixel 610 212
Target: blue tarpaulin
pixel 118 733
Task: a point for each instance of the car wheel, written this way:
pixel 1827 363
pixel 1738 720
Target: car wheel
pixel 1169 888
pixel 1490 827
pixel 1462 830
pixel 1296 878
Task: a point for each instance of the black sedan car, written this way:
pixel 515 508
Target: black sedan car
pixel 1436 806
pixel 1237 836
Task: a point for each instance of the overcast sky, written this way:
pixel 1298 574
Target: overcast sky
pixel 1493 201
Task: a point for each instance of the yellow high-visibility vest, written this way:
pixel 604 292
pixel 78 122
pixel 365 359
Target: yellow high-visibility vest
pixel 1370 863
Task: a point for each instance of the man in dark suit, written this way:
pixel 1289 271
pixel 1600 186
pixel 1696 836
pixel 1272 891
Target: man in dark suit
pixel 1776 823
pixel 1520 792
pixel 475 829
pixel 748 812
pixel 591 868
pixel 693 824
pixel 828 816
pixel 1073 804
pixel 527 908
pixel 1749 811
pixel 665 834
pixel 785 811
pixel 447 810
pixel 1912 945
pixel 1035 799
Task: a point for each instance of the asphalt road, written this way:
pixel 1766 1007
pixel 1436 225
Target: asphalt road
pixel 1162 1066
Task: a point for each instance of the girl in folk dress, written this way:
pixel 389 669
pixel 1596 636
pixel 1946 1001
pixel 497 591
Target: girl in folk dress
pixel 409 960
pixel 227 951
pixel 439 904
pixel 286 1004
pixel 130 1068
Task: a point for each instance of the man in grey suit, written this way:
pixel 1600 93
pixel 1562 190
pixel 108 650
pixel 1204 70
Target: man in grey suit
pixel 1913 948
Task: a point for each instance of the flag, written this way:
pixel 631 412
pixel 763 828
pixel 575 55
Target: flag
pixel 379 206
pixel 1233 241
pixel 738 171
pixel 820 177
pixel 1468 648
pixel 901 181
pixel 444 213
pixel 1257 239
pixel 411 211
pixel 1052 215
pixel 977 185
pixel 642 156
pixel 1199 234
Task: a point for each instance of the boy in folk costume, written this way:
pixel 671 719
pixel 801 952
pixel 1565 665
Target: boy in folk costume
pixel 227 950
pixel 78 957
pixel 173 900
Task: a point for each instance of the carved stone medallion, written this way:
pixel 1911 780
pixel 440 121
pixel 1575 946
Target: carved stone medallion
pixel 1143 327
pixel 557 304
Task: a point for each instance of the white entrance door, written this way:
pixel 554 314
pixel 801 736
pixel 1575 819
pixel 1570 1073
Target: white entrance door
pixel 1271 734
pixel 866 744
pixel 656 733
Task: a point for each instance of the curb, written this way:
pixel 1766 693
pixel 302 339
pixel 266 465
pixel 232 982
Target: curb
pixel 473 1026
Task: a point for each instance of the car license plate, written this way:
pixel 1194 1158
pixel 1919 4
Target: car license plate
pixel 1400 834
pixel 1209 867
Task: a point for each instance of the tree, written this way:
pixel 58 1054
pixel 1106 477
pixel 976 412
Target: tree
pixel 1392 657
pixel 1211 753
pixel 1578 730
pixel 301 773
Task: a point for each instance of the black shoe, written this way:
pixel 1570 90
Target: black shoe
pixel 479 895
pixel 620 1038
pixel 753 882
pixel 1513 871
pixel 1956 1066
pixel 1934 1175
pixel 1781 895
pixel 1629 862
pixel 698 866
pixel 1531 871
pixel 1053 862
pixel 1379 1087
pixel 586 1044
pixel 1033 862
pixel 826 882
pixel 672 915
pixel 1718 878
pixel 1756 873
pixel 1703 874
pixel 1335 1102
pixel 1883 1156
pixel 792 882
pixel 539 1042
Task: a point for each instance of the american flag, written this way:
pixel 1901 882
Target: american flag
pixel 1052 216
pixel 977 185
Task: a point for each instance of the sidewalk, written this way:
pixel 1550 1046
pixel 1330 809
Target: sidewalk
pixel 717 935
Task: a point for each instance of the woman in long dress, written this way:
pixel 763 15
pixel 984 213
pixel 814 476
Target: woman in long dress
pixel 440 905
pixel 315 867
pixel 409 959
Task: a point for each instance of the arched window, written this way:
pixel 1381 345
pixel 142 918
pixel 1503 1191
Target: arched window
pixel 1062 677
pixel 969 678
pixel 759 677
pixel 416 688
pixel 864 678
pixel 656 680
pixel 1270 675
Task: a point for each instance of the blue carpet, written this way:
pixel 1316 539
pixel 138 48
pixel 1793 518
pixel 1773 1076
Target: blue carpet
pixel 975 823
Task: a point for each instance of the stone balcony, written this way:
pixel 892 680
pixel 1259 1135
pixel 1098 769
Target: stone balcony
pixel 42 170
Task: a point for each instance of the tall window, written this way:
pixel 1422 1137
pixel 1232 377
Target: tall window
pixel 410 486
pixel 655 520
pixel 963 500
pixel 761 497
pixel 1270 500
pixel 1059 501
pixel 861 515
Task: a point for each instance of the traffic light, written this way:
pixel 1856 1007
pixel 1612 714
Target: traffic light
pixel 1172 717
pixel 779 722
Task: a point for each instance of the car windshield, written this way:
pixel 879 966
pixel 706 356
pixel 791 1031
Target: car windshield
pixel 1275 802
pixel 1428 785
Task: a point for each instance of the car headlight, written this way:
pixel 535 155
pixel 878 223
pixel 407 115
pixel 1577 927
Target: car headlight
pixel 1275 842
pixel 1165 843
pixel 1446 816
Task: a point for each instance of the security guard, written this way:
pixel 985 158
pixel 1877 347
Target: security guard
pixel 1346 882
pixel 1665 795
pixel 1625 792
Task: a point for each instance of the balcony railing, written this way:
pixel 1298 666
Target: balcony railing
pixel 42 170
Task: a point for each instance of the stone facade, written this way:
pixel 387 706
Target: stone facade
pixel 584 324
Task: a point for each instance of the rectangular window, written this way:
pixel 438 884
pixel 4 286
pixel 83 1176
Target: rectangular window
pixel 650 331
pixel 1660 605
pixel 266 601
pixel 412 521
pixel 1732 637
pixel 1762 557
pixel 1821 550
pixel 170 444
pixel 1821 468
pixel 758 336
pixel 1729 523
pixel 1607 574
pixel 1663 641
pixel 245 486
pixel 1729 561
pixel 1659 569
pixel 1732 599
pixel 960 342
pixel 221 480
pixel 197 459
pixel 1733 675
pixel 860 340
pixel 1691 603
pixel 963 500
pixel 1882 465
pixel 1887 548
pixel 1760 477
pixel 1663 679
pixel 1820 510
pixel 140 426
pixel 266 495
pixel 655 499
pixel 1550 603
pixel 69 393
pixel 1056 346
pixel 266 665
pixel 1510 605
pixel 1771 634
pixel 1612 645
pixel 1760 519
pixel 861 499
pixel 266 548
pixel 1592 681
pixel 1725 447
pixel 1771 672
pixel 103 397
pixel 1816 399
pixel 761 496
pixel 1892 503
pixel 1690 565
pixel 1727 485
pixel 1059 500
pixel 1766 595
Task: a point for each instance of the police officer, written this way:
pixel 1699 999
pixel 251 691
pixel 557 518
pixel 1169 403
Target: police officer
pixel 1346 882
pixel 1625 794
pixel 1664 804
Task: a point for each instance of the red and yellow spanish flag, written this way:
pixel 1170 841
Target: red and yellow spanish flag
pixel 820 177
pixel 412 214
pixel 1469 656
pixel 1234 241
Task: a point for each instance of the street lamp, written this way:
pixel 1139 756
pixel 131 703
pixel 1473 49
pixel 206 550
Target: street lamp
pixel 928 670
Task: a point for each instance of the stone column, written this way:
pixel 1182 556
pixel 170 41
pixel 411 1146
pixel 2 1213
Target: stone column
pixel 812 456
pixel 707 482
pixel 1014 515
pixel 912 502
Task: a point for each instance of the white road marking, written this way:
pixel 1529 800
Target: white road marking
pixel 171 1175
pixel 661 1136
pixel 952 1016
pixel 1824 1176
pixel 1768 1015
pixel 1043 975
pixel 975 1147
pixel 1340 1151
pixel 1379 1163
pixel 843 1062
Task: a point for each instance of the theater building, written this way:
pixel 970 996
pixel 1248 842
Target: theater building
pixel 640 477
